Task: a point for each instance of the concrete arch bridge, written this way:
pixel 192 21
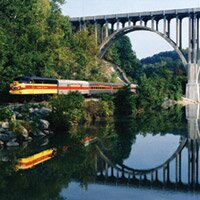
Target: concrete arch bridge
pixel 110 27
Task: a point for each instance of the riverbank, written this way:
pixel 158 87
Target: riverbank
pixel 22 123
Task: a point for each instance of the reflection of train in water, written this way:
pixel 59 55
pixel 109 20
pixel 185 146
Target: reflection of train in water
pixel 37 85
pixel 38 158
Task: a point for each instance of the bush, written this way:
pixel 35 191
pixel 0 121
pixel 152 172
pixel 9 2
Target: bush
pixel 18 127
pixel 98 110
pixel 67 110
pixel 6 113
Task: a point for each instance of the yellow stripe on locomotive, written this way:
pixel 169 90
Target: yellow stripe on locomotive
pixel 33 85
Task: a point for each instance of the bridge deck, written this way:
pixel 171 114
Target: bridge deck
pixel 157 14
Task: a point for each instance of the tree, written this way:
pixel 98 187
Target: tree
pixel 67 111
pixel 125 103
pixel 123 56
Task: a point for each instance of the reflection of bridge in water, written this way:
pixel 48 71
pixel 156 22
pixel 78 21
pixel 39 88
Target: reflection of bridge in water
pixel 183 163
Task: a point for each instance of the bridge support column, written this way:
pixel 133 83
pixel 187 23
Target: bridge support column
pixel 192 87
pixel 106 29
pixel 192 115
pixel 157 23
pixel 198 45
pixel 180 34
pixel 168 27
pixel 96 32
pixel 152 23
pixel 177 31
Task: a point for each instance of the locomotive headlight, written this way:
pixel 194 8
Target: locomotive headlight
pixel 15 88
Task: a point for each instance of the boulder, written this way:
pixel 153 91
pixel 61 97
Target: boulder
pixel 46 132
pixel 2 130
pixel 12 144
pixel 44 124
pixel 18 115
pixel 4 137
pixel 39 133
pixel 5 125
pixel 28 139
pixel 45 142
pixel 24 132
pixel 1 143
pixel 5 159
pixel 11 134
pixel 31 110
pixel 44 111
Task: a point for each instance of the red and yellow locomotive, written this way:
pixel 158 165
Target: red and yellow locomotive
pixel 41 86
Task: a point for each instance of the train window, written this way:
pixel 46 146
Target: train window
pixel 23 79
pixel 45 80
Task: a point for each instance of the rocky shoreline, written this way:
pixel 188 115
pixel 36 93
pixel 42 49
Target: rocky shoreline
pixel 23 124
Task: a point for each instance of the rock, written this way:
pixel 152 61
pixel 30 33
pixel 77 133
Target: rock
pixel 4 137
pixel 1 143
pixel 18 115
pixel 31 110
pixel 45 142
pixel 5 159
pixel 5 125
pixel 2 130
pixel 13 140
pixel 13 118
pixel 24 132
pixel 44 124
pixel 44 111
pixel 12 144
pixel 11 134
pixel 46 132
pixel 41 134
pixel 28 139
pixel 38 133
pixel 25 144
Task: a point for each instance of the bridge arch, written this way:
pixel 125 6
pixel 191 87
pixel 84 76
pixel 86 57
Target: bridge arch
pixel 162 174
pixel 107 43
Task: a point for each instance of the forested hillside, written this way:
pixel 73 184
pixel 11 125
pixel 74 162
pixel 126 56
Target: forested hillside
pixel 160 76
pixel 36 39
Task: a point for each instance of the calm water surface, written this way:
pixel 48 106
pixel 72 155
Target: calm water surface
pixel 153 156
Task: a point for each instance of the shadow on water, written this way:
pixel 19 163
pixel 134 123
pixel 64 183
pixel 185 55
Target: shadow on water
pixel 103 161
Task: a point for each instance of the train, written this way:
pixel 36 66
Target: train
pixel 26 85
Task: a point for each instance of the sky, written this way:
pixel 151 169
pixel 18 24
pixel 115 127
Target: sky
pixel 143 43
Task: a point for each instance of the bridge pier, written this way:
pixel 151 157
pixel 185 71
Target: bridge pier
pixel 192 87
pixel 192 116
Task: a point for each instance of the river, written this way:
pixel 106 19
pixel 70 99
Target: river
pixel 152 156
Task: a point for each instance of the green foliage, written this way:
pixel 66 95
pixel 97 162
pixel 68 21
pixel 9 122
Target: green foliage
pixel 67 110
pixel 123 56
pixel 20 126
pixel 6 113
pixel 125 102
pixel 151 92
pixel 37 40
pixel 98 110
pixel 159 77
